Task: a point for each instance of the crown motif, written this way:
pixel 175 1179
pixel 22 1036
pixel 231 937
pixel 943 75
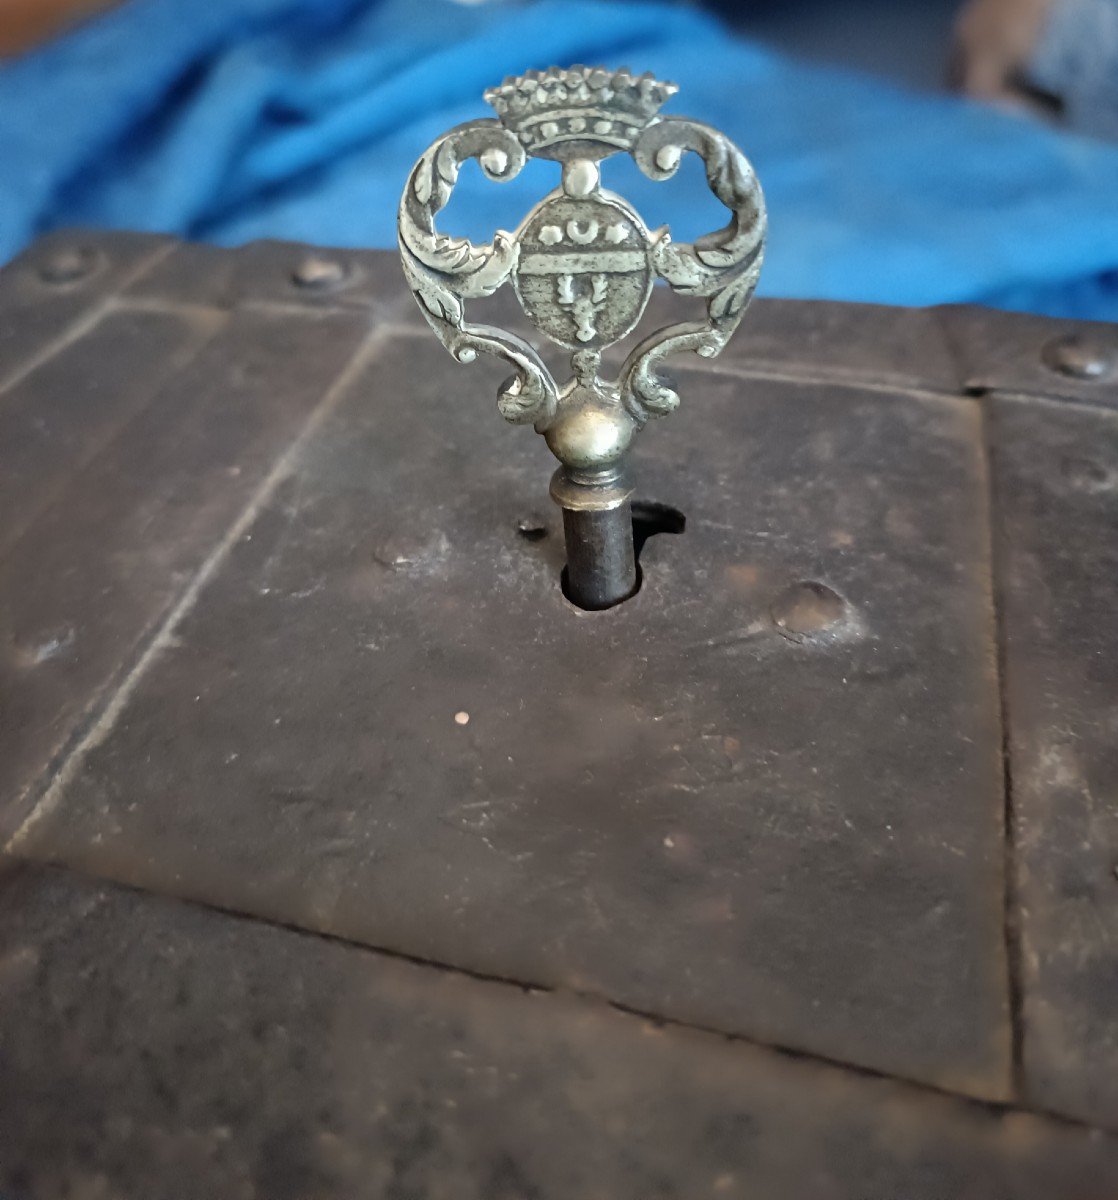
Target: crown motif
pixel 547 109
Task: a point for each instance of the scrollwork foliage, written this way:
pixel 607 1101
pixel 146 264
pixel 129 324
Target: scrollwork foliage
pixel 443 271
pixel 722 267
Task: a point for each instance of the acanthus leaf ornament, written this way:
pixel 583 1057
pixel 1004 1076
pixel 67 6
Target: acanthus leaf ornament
pixel 582 264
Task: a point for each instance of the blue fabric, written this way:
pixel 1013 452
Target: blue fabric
pixel 300 119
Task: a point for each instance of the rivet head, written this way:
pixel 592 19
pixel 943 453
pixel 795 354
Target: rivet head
pixel 401 551
pixel 1080 357
pixel 807 608
pixel 319 274
pixel 532 527
pixel 69 264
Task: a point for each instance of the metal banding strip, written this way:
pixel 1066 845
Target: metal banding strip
pixel 595 262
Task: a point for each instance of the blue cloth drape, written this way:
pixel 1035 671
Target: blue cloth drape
pixel 300 119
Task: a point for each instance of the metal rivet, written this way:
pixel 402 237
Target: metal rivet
pixel 69 265
pixel 532 527
pixel 399 552
pixel 806 608
pixel 319 274
pixel 1080 357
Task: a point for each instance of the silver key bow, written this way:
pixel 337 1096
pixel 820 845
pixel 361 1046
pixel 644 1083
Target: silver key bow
pixel 583 264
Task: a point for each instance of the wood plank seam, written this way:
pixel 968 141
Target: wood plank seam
pixel 207 323
pixel 92 316
pixel 104 713
pixel 919 1089
pixel 1014 982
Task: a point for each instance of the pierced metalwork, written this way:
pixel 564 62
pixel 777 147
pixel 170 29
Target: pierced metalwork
pixel 582 264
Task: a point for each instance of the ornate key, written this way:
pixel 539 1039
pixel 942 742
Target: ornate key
pixel 583 264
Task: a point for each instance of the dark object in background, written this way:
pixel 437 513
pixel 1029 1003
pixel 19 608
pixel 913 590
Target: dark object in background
pixel 23 23
pixel 253 665
pixel 1058 58
pixel 907 41
pixel 995 40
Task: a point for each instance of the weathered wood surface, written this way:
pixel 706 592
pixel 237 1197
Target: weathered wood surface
pixel 156 1049
pixel 261 542
pixel 1057 544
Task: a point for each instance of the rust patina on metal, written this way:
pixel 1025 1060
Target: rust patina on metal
pixel 791 875
pixel 582 265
